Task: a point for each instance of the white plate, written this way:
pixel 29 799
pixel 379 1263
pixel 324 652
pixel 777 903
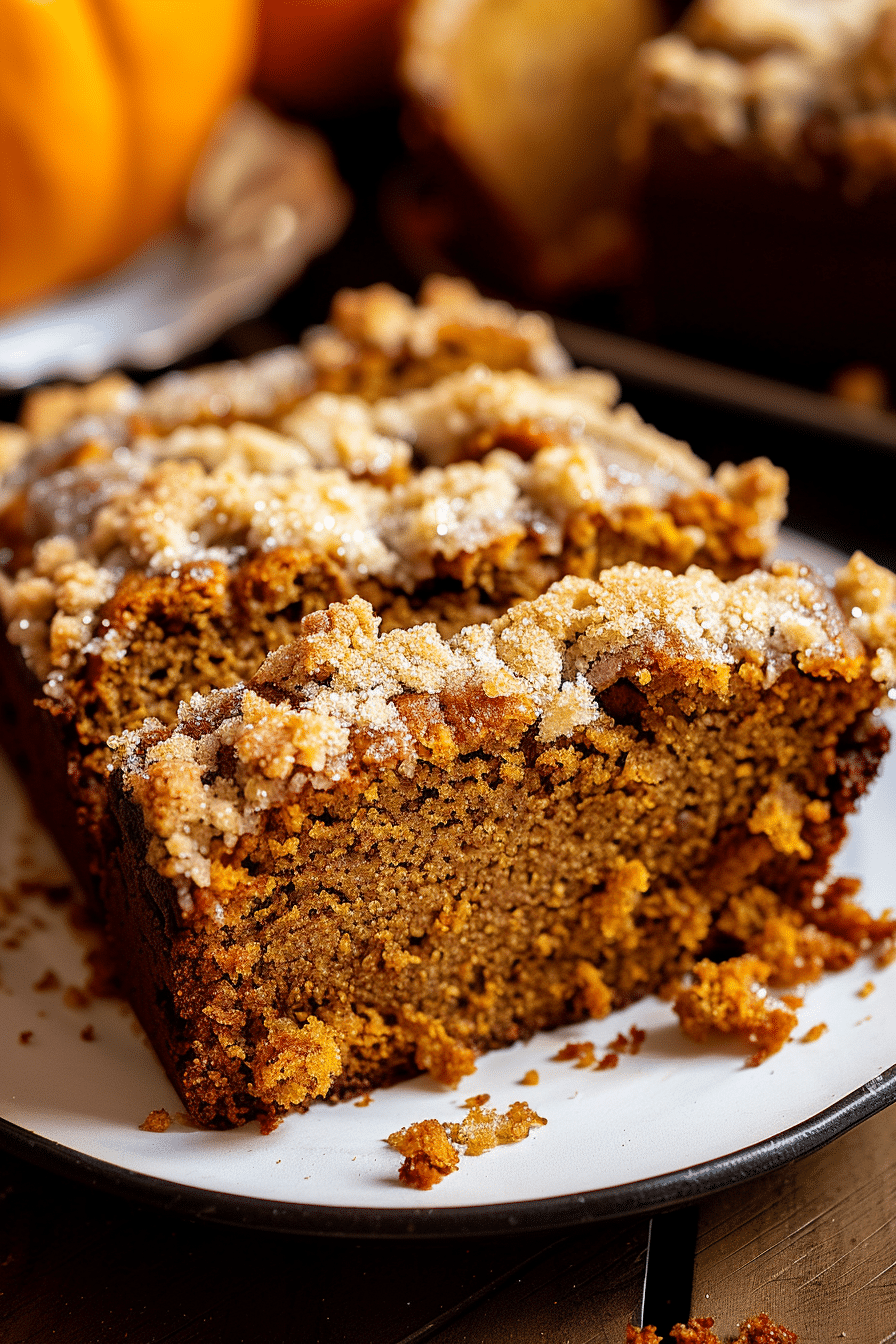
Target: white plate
pixel 672 1122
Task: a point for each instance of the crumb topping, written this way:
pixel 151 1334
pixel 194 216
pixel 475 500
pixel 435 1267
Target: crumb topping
pixel 338 485
pixel 383 318
pixel 740 73
pixel 377 320
pixel 344 701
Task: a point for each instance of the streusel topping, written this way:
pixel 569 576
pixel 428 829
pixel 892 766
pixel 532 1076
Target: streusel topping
pixel 745 73
pixel 339 486
pixel 343 699
pixel 378 319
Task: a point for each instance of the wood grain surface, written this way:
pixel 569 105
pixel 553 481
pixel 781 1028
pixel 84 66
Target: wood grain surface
pixel 814 1245
pixel 78 1266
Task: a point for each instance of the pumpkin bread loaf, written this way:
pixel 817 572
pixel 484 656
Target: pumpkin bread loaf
pixel 388 851
pixel 441 460
pixel 766 136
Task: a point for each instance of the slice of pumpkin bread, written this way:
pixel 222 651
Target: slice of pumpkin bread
pixel 441 460
pixel 388 852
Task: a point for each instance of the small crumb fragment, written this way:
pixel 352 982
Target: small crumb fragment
pixel 88 1033
pixel 887 954
pixel 25 1037
pixel 731 997
pixel 429 1150
pixel 365 1100
pixel 608 1061
pixel 530 1078
pixel 868 988
pixel 483 1130
pixel 697 1331
pixel 630 1044
pixel 792 1000
pixel 581 1051
pixel 762 1330
pixel 75 998
pixel 429 1155
pixel 49 980
pixel 156 1122
pixel 814 1033
pixel 479 1100
pixel 757 1330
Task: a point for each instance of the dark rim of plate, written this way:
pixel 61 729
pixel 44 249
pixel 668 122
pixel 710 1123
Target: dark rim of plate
pixel 647 1196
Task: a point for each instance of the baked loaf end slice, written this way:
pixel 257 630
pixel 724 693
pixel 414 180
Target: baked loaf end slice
pixel 390 852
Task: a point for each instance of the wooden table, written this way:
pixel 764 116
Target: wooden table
pixel 813 1244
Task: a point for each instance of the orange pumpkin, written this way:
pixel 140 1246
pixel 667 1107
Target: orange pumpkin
pixel 104 108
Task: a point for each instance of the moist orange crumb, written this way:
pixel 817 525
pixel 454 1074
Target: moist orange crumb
pixel 479 1100
pixel 157 1122
pixel 868 988
pixel 792 1000
pixel 88 1033
pixel 49 980
pixel 75 997
pixel 428 1153
pixel 530 1078
pixel 608 1061
pixel 731 997
pixel 814 1033
pixel 646 1334
pixel 25 1037
pixel 365 1100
